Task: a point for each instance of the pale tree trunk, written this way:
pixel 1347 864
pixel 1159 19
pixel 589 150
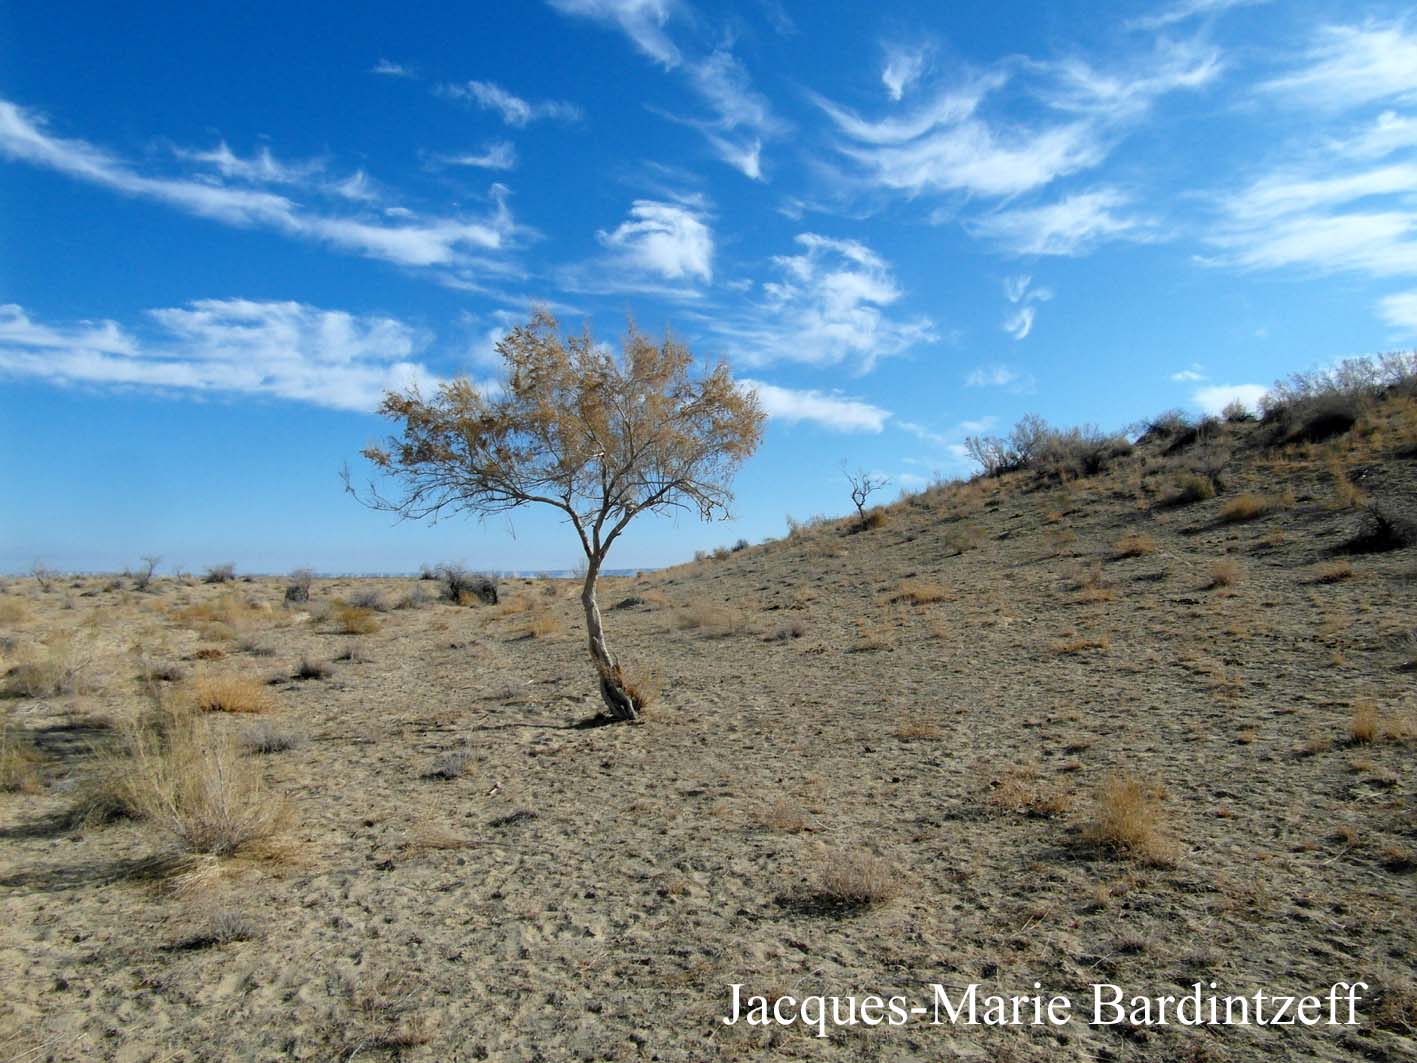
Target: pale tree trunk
pixel 612 683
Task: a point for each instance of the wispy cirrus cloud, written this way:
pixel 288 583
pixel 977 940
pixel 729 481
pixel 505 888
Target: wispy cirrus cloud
pixel 1071 226
pixel 1020 292
pixel 388 68
pixel 903 66
pixel 831 410
pixel 513 110
pixel 1346 66
pixel 1187 9
pixel 1001 376
pixel 739 120
pixel 1400 311
pixel 283 350
pixel 830 305
pixel 497 155
pixel 431 241
pixel 643 21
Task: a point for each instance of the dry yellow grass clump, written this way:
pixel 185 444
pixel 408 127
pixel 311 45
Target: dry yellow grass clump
pixel 858 880
pixel 716 620
pixel 1226 573
pixel 230 693
pixel 1129 818
pixel 354 619
pixel 922 592
pixel 1245 507
pixel 1135 544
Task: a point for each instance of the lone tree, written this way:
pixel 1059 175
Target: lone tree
pixel 863 486
pixel 600 438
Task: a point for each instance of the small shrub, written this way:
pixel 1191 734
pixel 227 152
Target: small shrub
pixel 1386 529
pixel 371 600
pixel 1128 818
pixel 922 592
pixel 915 728
pixel 224 573
pixel 1245 507
pixel 721 553
pixel 189 778
pixel 877 518
pixel 1226 573
pixel 265 737
pixel 857 880
pixel 644 686
pixel 451 765
pixel 541 626
pixel 1191 487
pixel 462 587
pixel 791 629
pixel 741 544
pixel 230 693
pixel 1363 728
pixel 308 669
pixel 628 602
pixel 782 815
pixel 19 762
pixel 13 611
pixel 1135 544
pixel 715 620
pixel 1333 572
pixel 354 620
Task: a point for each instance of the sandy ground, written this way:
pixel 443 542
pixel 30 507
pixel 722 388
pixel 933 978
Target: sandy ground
pixel 472 872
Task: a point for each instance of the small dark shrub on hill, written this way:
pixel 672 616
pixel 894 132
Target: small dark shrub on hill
pixel 1385 529
pixel 297 588
pixel 220 574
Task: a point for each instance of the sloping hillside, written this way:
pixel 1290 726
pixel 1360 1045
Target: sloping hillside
pixel 1151 726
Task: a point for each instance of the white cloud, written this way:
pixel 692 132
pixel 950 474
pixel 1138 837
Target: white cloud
pixel 829 306
pixel 1188 9
pixel 1126 93
pixel 431 242
pixel 833 411
pixel 391 69
pixel 664 238
pixel 498 155
pixel 742 116
pixel 1193 373
pixel 1400 311
pixel 1351 65
pixel 1020 323
pixel 904 64
pixel 1215 399
pixel 1071 226
pixel 280 349
pixel 514 110
pixel 640 20
pixel 994 376
pixel 1390 132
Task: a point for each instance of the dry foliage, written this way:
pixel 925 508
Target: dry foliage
pixel 1245 507
pixel 914 727
pixel 922 592
pixel 354 619
pixel 1129 818
pixel 716 620
pixel 1333 572
pixel 188 777
pixel 230 693
pixel 783 815
pixel 1022 791
pixel 542 626
pixel 13 611
pixel 858 880
pixel 1135 544
pixel 1226 572
pixel 19 761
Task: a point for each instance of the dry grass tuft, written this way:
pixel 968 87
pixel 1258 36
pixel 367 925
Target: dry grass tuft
pixel 914 728
pixel 1245 507
pixel 922 592
pixel 189 778
pixel 718 621
pixel 1083 643
pixel 783 815
pixel 644 686
pixel 542 626
pixel 19 762
pixel 230 693
pixel 1368 725
pixel 13 611
pixel 1020 790
pixel 1333 572
pixel 354 619
pixel 857 880
pixel 1129 818
pixel 1135 544
pixel 1226 573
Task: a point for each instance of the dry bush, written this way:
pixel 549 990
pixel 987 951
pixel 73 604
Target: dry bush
pixel 370 599
pixel 297 588
pixel 914 727
pixel 1129 818
pixel 1020 790
pixel 220 574
pixel 1135 544
pixel 1082 643
pixel 922 592
pixel 462 587
pixel 788 629
pixel 13 611
pixel 1346 494
pixel 542 625
pixel 1191 487
pixel 19 761
pixel 1333 572
pixel 644 685
pixel 223 615
pixel 48 671
pixel 354 620
pixel 715 620
pixel 1091 583
pixel 877 518
pixel 962 538
pixel 1245 507
pixel 857 880
pixel 783 815
pixel 1368 725
pixel 230 693
pixel 873 635
pixel 309 669
pixel 1226 573
pixel 185 775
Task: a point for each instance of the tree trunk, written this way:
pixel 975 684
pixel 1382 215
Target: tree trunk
pixel 612 683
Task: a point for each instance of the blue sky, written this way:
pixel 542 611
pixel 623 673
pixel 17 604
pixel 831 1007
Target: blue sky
pixel 224 232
